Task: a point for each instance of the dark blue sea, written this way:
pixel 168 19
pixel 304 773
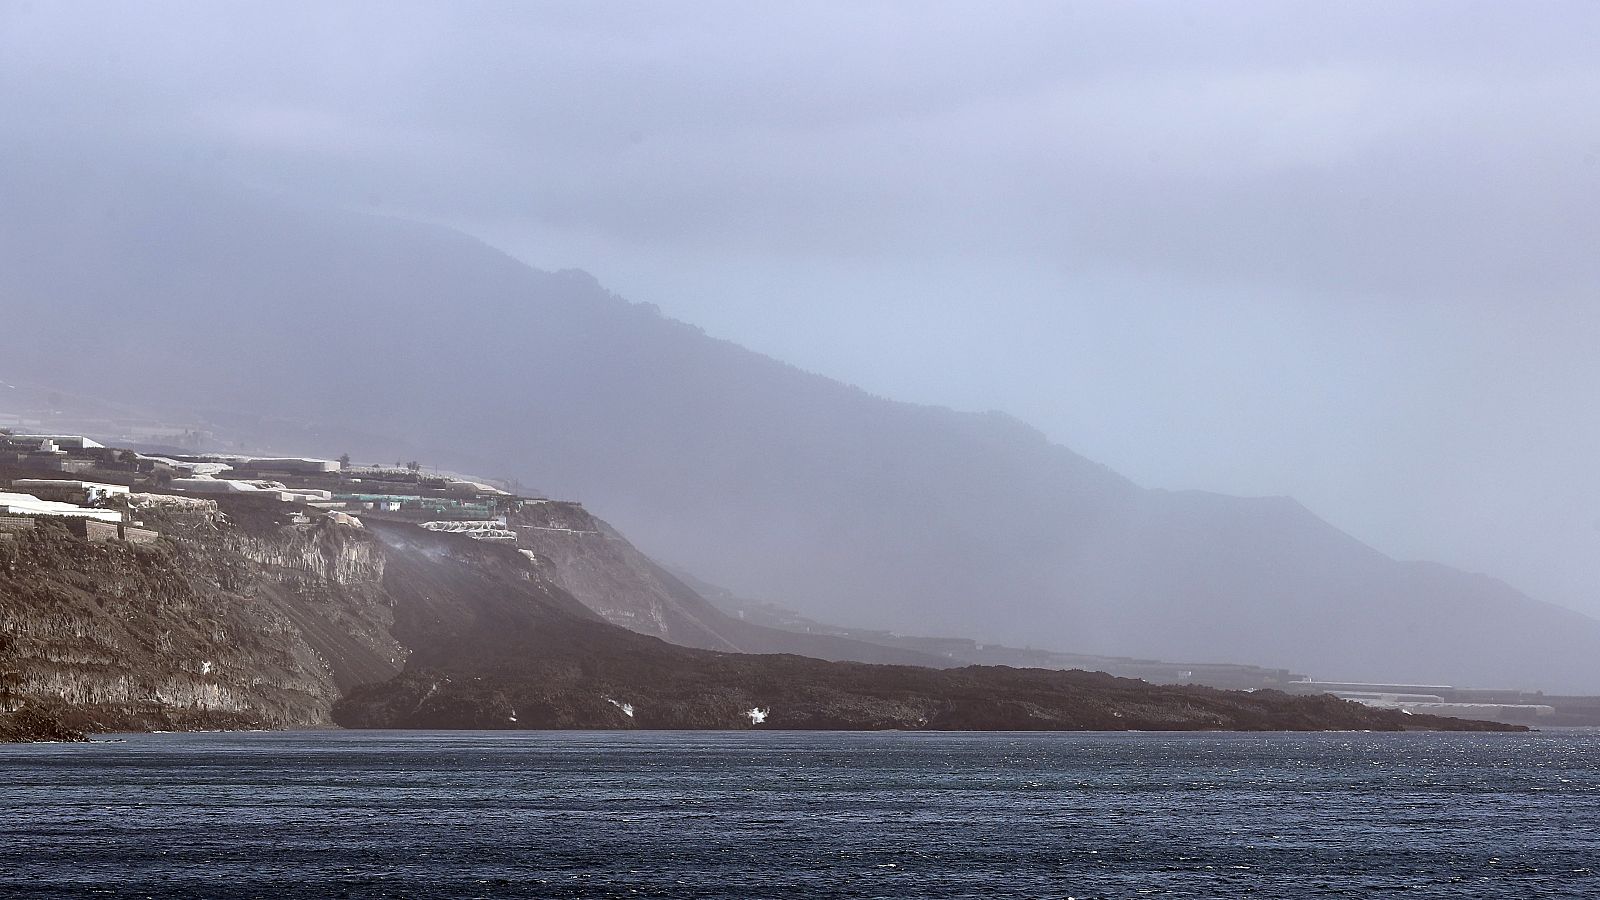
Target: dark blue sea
pixel 528 814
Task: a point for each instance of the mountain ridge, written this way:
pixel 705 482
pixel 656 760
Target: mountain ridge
pixel 746 470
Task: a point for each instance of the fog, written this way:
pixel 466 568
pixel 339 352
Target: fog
pixel 1342 253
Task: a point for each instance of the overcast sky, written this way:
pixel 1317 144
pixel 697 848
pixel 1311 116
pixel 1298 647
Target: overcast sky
pixel 1347 252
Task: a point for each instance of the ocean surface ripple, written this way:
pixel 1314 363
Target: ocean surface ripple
pixel 762 814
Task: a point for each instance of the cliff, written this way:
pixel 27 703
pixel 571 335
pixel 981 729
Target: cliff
pixel 243 617
pixel 245 621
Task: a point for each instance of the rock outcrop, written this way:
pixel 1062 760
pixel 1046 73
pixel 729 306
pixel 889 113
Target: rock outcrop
pixel 37 723
pixel 238 622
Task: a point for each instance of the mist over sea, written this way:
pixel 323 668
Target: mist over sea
pixel 586 814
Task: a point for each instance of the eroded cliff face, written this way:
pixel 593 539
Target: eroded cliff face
pixel 227 623
pixel 315 558
pixel 325 578
pixel 595 564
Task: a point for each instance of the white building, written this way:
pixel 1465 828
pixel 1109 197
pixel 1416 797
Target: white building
pixel 205 484
pixel 192 468
pixel 298 465
pixel 63 441
pixel 13 504
pixel 68 490
pixel 463 488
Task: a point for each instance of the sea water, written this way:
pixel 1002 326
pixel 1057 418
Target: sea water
pixel 771 814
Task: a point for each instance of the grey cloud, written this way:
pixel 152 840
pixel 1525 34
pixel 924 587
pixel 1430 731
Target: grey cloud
pixel 1249 142
pixel 1343 251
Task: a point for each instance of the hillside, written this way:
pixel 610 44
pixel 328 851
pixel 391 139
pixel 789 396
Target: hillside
pixel 369 333
pixel 598 566
pixel 257 614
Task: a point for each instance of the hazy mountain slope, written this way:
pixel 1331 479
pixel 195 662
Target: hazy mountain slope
pixel 769 480
pixel 493 645
pixel 599 567
pixel 1256 578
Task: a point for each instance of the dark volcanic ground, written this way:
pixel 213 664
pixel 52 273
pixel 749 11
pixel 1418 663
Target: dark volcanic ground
pixel 495 647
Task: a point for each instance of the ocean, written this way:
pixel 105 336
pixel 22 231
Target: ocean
pixel 775 814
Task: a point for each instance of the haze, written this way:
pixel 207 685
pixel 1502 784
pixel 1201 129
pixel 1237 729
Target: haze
pixel 1344 253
